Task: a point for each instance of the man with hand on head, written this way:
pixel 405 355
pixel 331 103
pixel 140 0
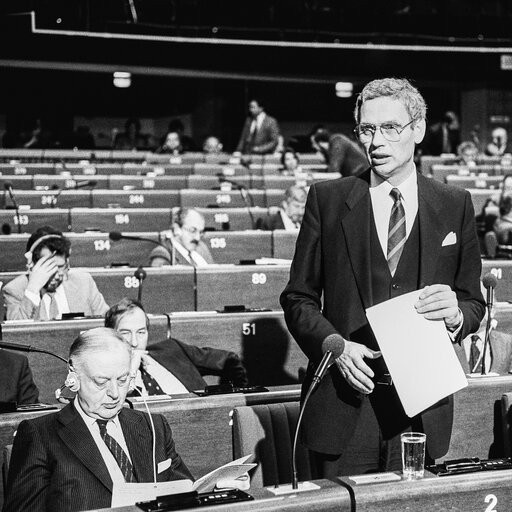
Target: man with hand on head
pixel 50 288
pixel 363 240
pixel 170 366
pixel 70 460
pixel 184 241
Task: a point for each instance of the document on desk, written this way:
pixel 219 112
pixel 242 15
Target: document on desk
pixel 125 494
pixel 417 352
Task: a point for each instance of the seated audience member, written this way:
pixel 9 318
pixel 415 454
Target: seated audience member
pixel 340 153
pixel 170 366
pixel 131 138
pixel 187 142
pixel 498 356
pixel 183 241
pixel 16 383
pixel 172 144
pixel 467 153
pixel 50 288
pixel 70 460
pixel 503 224
pixel 499 142
pixel 288 217
pixel 290 163
pixel 212 146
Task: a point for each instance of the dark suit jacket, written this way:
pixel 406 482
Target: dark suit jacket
pixel 345 156
pixel 57 467
pixel 266 139
pixel 16 383
pixel 189 363
pixel 338 216
pixel 500 349
pixel 270 222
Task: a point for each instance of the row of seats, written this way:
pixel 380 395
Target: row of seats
pixel 427 162
pixel 97 250
pixel 162 182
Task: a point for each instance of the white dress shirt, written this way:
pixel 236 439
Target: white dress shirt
pixel 169 384
pixel 60 298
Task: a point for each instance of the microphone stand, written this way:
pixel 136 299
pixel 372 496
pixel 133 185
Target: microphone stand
pixel 8 187
pixel 246 196
pixel 488 327
pixel 140 274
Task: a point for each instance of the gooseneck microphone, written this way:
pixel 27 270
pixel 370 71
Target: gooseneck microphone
pixel 140 274
pixel 76 186
pixel 8 187
pixel 333 346
pixel 244 192
pixel 29 348
pixel 115 236
pixel 490 282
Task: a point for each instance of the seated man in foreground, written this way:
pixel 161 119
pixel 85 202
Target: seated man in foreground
pixel 50 288
pixel 170 366
pixel 184 241
pixel 65 461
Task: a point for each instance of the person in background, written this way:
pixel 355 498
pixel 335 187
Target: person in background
pixel 131 138
pixel 499 142
pixel 183 241
pixel 260 134
pixel 50 288
pixel 442 137
pixel 70 460
pixel 16 382
pixel 212 146
pixel 170 366
pixel 503 224
pixel 172 144
pixel 187 143
pixel 467 153
pixel 340 153
pixel 290 215
pixel 290 163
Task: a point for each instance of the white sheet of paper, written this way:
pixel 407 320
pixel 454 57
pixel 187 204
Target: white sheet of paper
pixel 417 351
pixel 125 494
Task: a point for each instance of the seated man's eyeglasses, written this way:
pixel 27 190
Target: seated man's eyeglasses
pixel 390 131
pixel 193 231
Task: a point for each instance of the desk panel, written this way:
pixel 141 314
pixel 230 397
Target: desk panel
pixel 475 181
pixel 220 198
pixel 165 289
pixel 233 246
pixel 284 243
pixel 502 269
pixel 29 169
pixel 479 197
pixel 227 170
pixel 17 182
pixel 120 182
pixel 65 180
pixel 255 286
pixel 231 219
pixel 30 220
pixel 120 219
pixel 12 250
pixel 204 182
pixel 49 198
pixel 135 198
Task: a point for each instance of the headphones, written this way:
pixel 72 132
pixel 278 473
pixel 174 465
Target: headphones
pixel 29 255
pixel 72 383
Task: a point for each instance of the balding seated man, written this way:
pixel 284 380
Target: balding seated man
pixel 171 366
pixel 50 288
pixel 65 461
pixel 16 383
pixel 183 243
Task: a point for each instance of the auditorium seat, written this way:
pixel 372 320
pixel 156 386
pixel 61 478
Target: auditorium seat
pixel 477 181
pixel 231 219
pixel 30 220
pixel 220 198
pixel 135 198
pixel 267 431
pixel 121 182
pixel 66 181
pixel 234 246
pixel 47 198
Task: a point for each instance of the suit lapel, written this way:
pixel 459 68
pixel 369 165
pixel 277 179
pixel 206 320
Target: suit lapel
pixel 430 206
pixel 356 222
pixel 76 436
pixel 139 445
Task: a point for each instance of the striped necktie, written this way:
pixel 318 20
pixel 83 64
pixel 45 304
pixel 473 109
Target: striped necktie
pixel 117 451
pixel 396 231
pixel 150 383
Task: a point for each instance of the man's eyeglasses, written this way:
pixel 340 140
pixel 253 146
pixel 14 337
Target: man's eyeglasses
pixel 193 231
pixel 390 131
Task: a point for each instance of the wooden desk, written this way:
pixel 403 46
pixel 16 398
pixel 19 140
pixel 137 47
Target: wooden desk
pixel 136 198
pixel 46 198
pixel 254 286
pixel 230 219
pixel 221 199
pixel 479 197
pixel 284 243
pixel 31 219
pixel 122 182
pixel 233 246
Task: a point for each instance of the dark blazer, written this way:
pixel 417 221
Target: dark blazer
pixel 57 467
pixel 500 349
pixel 265 140
pixel 16 383
pixel 270 222
pixel 189 363
pixel 338 217
pixel 345 156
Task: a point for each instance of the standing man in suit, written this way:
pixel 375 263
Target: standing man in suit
pixel 363 240
pixel 16 382
pixel 71 460
pixel 260 134
pixel 184 241
pixel 170 366
pixel 290 215
pixel 50 288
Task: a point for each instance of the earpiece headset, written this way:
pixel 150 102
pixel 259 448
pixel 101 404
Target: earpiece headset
pixel 72 383
pixel 29 255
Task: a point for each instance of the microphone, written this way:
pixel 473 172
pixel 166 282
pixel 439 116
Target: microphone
pixel 490 282
pixel 76 186
pixel 8 187
pixel 333 346
pixel 29 348
pixel 115 236
pixel 244 192
pixel 140 274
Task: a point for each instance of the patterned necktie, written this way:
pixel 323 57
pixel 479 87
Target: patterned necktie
pixel 117 451
pixel 150 383
pixel 396 231
pixel 475 363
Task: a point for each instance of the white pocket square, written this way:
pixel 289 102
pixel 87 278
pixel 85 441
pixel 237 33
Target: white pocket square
pixel 449 239
pixel 165 464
